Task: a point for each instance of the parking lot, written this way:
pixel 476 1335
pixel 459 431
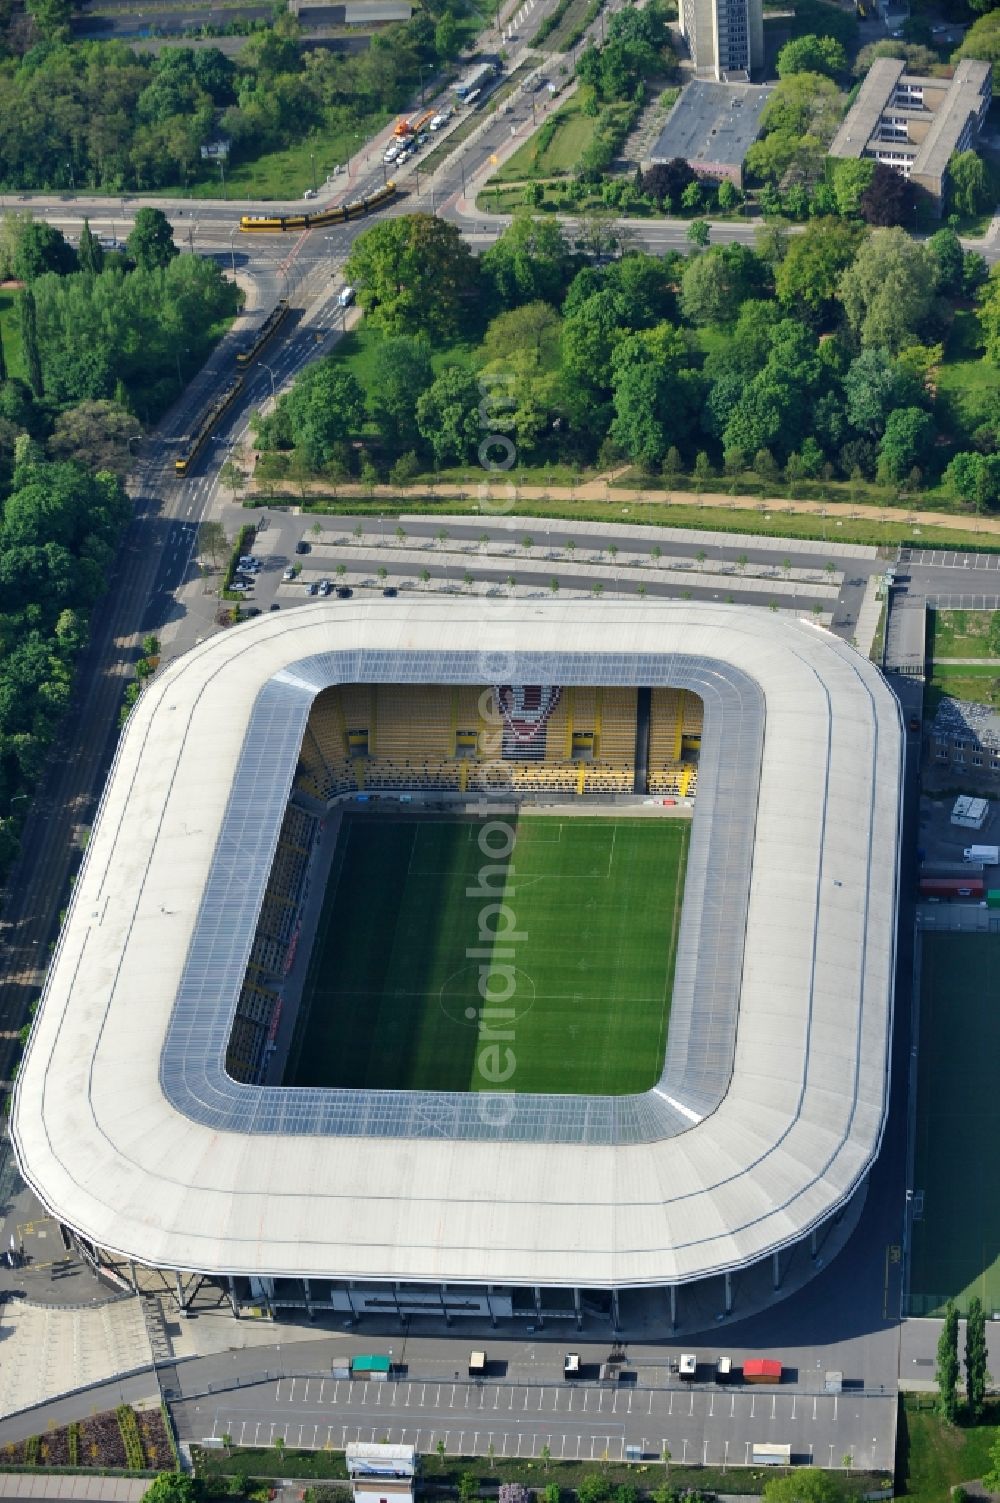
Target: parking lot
pixel 697 1423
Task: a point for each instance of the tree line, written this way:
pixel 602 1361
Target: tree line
pixel 130 326
pixel 812 355
pixel 101 337
pixel 98 116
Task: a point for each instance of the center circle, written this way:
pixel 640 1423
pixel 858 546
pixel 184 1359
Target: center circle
pixel 463 983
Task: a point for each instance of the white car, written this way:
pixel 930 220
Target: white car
pixel 345 297
pixel 310 193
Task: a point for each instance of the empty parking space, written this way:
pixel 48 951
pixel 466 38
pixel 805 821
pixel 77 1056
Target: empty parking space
pixel 711 1426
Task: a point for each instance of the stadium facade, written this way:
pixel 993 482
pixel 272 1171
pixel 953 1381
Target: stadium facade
pixel 772 1101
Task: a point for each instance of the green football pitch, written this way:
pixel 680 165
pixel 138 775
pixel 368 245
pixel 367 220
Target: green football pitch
pixel 578 997
pixel 956 1241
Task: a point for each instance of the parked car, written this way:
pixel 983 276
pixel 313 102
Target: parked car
pixel 254 611
pixel 289 573
pixel 325 587
pixel 310 193
pixel 390 592
pixel 313 589
pixel 302 546
pixel 345 592
pixel 274 606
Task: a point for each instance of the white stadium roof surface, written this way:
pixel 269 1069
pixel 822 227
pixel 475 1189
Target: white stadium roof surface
pixel 772 1100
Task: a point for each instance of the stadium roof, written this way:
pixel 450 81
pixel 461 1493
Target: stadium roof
pixel 774 1090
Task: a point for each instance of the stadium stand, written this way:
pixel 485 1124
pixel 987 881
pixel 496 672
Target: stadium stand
pixel 403 736
pixel 675 725
pixel 256 1009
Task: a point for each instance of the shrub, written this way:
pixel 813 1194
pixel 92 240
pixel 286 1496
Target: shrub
pixel 135 1455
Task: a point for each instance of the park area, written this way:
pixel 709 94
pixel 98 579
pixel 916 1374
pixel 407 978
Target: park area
pixel 393 992
pixel 956 1234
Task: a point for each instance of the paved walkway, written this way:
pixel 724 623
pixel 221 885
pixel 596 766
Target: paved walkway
pixel 52 1351
pixel 968 662
pixel 501 498
pixel 45 1485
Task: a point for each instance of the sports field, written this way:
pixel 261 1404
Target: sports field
pixel 956 1243
pixel 578 980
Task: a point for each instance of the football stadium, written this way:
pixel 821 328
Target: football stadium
pixel 476 958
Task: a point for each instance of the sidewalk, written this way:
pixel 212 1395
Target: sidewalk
pixel 45 1485
pixel 600 489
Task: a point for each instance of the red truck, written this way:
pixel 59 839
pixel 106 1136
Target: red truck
pixel 762 1370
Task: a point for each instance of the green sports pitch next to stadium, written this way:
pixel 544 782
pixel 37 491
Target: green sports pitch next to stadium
pixel 530 953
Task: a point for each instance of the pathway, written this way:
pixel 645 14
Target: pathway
pixel 498 498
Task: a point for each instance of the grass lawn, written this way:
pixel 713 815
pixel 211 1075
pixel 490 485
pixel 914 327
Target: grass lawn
pixel 956 1243
pixel 755 523
pixel 10 332
pixel 960 634
pixel 933 1457
pixel 965 381
pixel 391 996
pixel 554 148
pixel 286 173
pixel 975 681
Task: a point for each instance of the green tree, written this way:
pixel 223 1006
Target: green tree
pixel 946 249
pixel 851 177
pixel 530 262
pixel 400 373
pixel 42 248
pixel 906 442
pixel 969 188
pixel 415 273
pixel 808 275
pixel 946 1373
pixel 27 318
pixel 447 38
pixel 448 416
pixel 991 1478
pixel 323 408
pixel 213 543
pixel 977 1377
pixel 812 54
pixel 151 240
pixel 468 1487
pixel 888 292
pixel 699 232
pixel 90 254
pixel 729 195
pixel 174 1487
pixel 975 478
pixel 52 17
pixel 874 386
pixel 96 435
pixel 806 1484
pixel 717 284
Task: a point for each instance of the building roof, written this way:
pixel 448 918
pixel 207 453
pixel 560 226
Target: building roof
pixel 962 717
pixel 963 96
pixel 861 120
pixel 129 1130
pixel 713 123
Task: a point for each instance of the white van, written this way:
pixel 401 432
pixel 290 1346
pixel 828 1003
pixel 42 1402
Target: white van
pixel 345 297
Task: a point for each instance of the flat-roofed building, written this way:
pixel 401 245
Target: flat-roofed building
pixel 712 126
pixel 725 37
pixel 915 124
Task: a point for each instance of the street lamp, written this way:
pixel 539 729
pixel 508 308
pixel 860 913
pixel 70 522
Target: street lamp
pixel 270 372
pixel 72 179
pixel 312 159
pixel 222 173
pixel 232 251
